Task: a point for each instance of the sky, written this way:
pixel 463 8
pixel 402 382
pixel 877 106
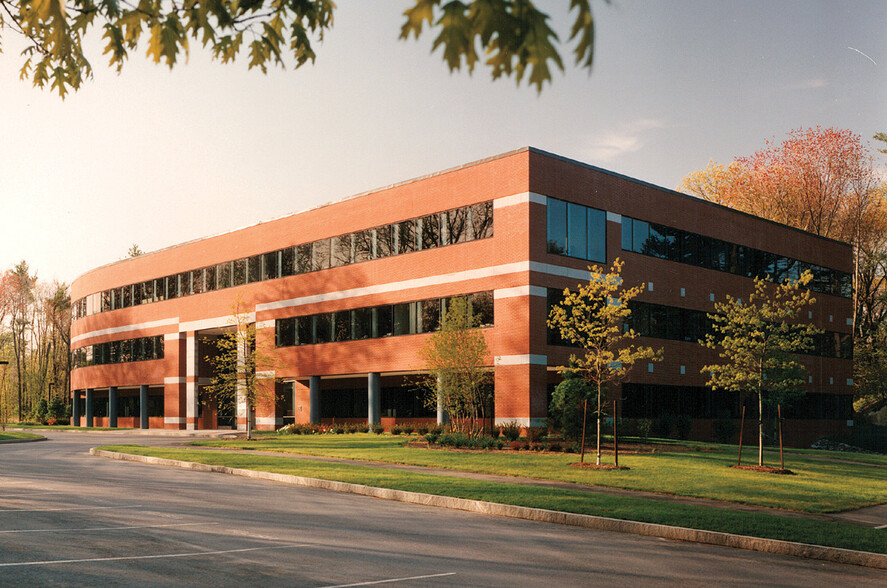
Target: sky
pixel 156 157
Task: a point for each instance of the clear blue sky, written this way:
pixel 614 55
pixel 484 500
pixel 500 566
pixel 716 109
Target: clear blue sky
pixel 157 157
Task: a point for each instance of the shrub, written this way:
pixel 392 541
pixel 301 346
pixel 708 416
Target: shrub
pixel 723 427
pixel 378 429
pixel 362 428
pixel 396 429
pixel 439 429
pixel 645 429
pixel 571 449
pixel 339 429
pixel 683 426
pixel 63 421
pixel 51 422
pixel 422 429
pixel 566 409
pixel 432 438
pixel 516 445
pixel 408 428
pixel 510 430
pixel 665 424
pixel 56 409
pixel 536 433
pixel 41 410
pixel 556 447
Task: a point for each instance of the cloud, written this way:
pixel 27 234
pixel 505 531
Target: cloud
pixel 611 145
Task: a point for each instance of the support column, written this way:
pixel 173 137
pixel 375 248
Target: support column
pixel 243 412
pixel 191 380
pixel 314 400
pixel 374 398
pixel 112 406
pixel 442 416
pixel 89 407
pixel 143 406
pixel 75 408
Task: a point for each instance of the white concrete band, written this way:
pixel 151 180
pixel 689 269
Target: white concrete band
pixel 519 291
pixel 125 329
pixel 522 198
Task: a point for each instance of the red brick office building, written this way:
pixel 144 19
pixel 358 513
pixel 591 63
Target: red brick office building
pixel 343 295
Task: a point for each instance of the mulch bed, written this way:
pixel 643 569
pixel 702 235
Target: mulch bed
pixel 763 469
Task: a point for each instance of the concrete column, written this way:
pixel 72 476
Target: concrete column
pixel 314 400
pixel 112 406
pixel 191 380
pixel 75 408
pixel 374 398
pixel 89 407
pixel 243 412
pixel 143 406
pixel 442 416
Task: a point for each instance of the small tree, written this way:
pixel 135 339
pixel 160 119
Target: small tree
pixel 236 383
pixel 567 403
pixel 592 318
pixel 759 341
pixel 457 359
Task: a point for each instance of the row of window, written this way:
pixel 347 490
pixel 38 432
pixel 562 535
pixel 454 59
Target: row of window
pixel 400 402
pixel 684 247
pixel 450 227
pixel 576 230
pixel 653 400
pixel 406 318
pixel 141 349
pixel 127 406
pixel 684 324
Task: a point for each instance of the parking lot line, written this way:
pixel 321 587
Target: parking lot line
pixel 136 557
pixel 392 580
pixel 70 508
pixel 106 528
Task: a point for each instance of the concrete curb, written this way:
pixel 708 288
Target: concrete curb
pixel 215 434
pixel 831 554
pixel 22 440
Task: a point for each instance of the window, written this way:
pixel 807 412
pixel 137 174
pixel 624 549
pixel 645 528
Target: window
pixel 320 255
pixel 482 219
pixel 482 305
pixel 385 244
pixel 209 276
pixel 223 275
pixel 287 261
pixel 342 325
pixel 197 282
pixel 431 231
pixel 343 250
pixel 271 265
pixel 382 325
pixel 305 330
pixel 430 317
pixel 576 230
pixel 286 332
pixel 362 323
pixel 406 241
pixel 363 246
pixel 323 328
pixel 557 226
pixel 238 272
pixel 254 269
pixel 402 317
pixel 458 228
pixel 172 287
pixel 303 258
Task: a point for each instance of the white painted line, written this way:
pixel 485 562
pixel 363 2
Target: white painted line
pixel 132 557
pixel 391 580
pixel 75 508
pixel 106 528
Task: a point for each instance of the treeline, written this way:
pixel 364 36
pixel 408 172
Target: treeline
pixel 35 337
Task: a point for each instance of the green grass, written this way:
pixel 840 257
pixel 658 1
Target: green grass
pixel 7 435
pixel 820 486
pixel 576 501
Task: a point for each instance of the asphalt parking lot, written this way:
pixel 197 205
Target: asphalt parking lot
pixel 67 518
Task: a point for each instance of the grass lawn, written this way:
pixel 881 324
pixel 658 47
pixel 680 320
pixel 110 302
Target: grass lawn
pixel 7 435
pixel 820 485
pixel 576 501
